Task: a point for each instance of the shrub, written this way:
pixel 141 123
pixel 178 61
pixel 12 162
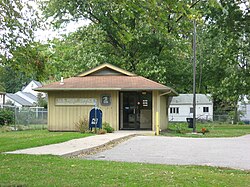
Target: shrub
pixel 41 101
pixel 82 125
pixel 241 123
pixel 21 127
pixel 101 131
pixel 180 128
pixel 5 129
pixel 6 117
pixel 107 127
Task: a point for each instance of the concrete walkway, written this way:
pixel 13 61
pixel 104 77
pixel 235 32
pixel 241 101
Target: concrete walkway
pixel 78 146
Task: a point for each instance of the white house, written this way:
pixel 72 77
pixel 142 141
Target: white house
pixel 244 108
pixel 18 101
pixel 31 86
pixel 25 98
pixel 246 114
pixel 181 107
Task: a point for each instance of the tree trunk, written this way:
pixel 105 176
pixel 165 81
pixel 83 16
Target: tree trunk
pixel 236 117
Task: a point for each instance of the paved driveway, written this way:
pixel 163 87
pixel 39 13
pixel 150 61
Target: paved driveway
pixel 224 152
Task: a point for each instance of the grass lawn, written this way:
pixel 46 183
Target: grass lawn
pixel 31 170
pixel 10 141
pixel 46 170
pixel 215 130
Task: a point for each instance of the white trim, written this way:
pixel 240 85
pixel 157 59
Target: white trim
pixel 106 65
pixel 91 89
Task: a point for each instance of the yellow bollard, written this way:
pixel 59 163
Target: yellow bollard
pixel 157 124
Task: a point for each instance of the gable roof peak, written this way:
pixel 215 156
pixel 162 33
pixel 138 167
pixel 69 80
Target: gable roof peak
pixel 106 66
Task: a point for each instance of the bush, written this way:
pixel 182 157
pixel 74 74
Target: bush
pixel 241 123
pixel 82 125
pixel 101 131
pixel 6 117
pixel 5 129
pixel 21 127
pixel 107 127
pixel 180 128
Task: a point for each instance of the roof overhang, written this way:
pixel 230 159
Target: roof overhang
pixel 99 78
pixel 164 91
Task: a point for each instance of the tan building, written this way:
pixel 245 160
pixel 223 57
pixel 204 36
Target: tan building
pixel 127 101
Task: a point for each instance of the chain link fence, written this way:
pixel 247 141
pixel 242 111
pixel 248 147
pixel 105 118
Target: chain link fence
pixel 223 119
pixel 24 118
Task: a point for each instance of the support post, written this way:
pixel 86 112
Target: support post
pixel 157 124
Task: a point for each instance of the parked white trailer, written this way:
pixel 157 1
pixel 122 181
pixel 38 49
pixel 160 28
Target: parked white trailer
pixel 245 110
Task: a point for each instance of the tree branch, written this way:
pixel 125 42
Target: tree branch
pixel 191 6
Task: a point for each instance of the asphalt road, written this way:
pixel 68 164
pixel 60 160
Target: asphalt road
pixel 222 152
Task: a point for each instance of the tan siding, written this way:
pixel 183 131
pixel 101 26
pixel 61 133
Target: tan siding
pixel 160 106
pixel 167 99
pixel 117 110
pixel 155 109
pixel 48 116
pixel 62 118
pixel 163 116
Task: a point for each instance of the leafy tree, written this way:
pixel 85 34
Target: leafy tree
pixel 20 58
pixel 2 89
pixel 18 21
pixel 77 52
pixel 26 64
pixel 151 35
pixel 41 101
pixel 153 39
pixel 224 42
pixel 12 81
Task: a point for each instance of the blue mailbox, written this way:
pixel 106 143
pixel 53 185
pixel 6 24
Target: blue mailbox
pixel 95 118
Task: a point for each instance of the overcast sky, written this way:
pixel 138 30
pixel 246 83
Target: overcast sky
pixel 48 34
pixel 44 35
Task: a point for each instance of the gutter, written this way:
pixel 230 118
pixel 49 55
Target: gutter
pixel 165 93
pixel 102 89
pixel 174 93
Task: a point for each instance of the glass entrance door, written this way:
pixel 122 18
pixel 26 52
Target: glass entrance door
pixel 130 110
pixel 135 110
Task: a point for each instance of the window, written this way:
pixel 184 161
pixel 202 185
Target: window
pixel 191 110
pixel 174 110
pixel 205 109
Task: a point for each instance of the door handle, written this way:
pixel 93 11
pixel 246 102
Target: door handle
pixel 134 110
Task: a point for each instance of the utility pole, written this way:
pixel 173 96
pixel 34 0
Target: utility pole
pixel 194 78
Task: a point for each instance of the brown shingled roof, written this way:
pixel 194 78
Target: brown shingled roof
pixel 89 81
pixel 105 83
